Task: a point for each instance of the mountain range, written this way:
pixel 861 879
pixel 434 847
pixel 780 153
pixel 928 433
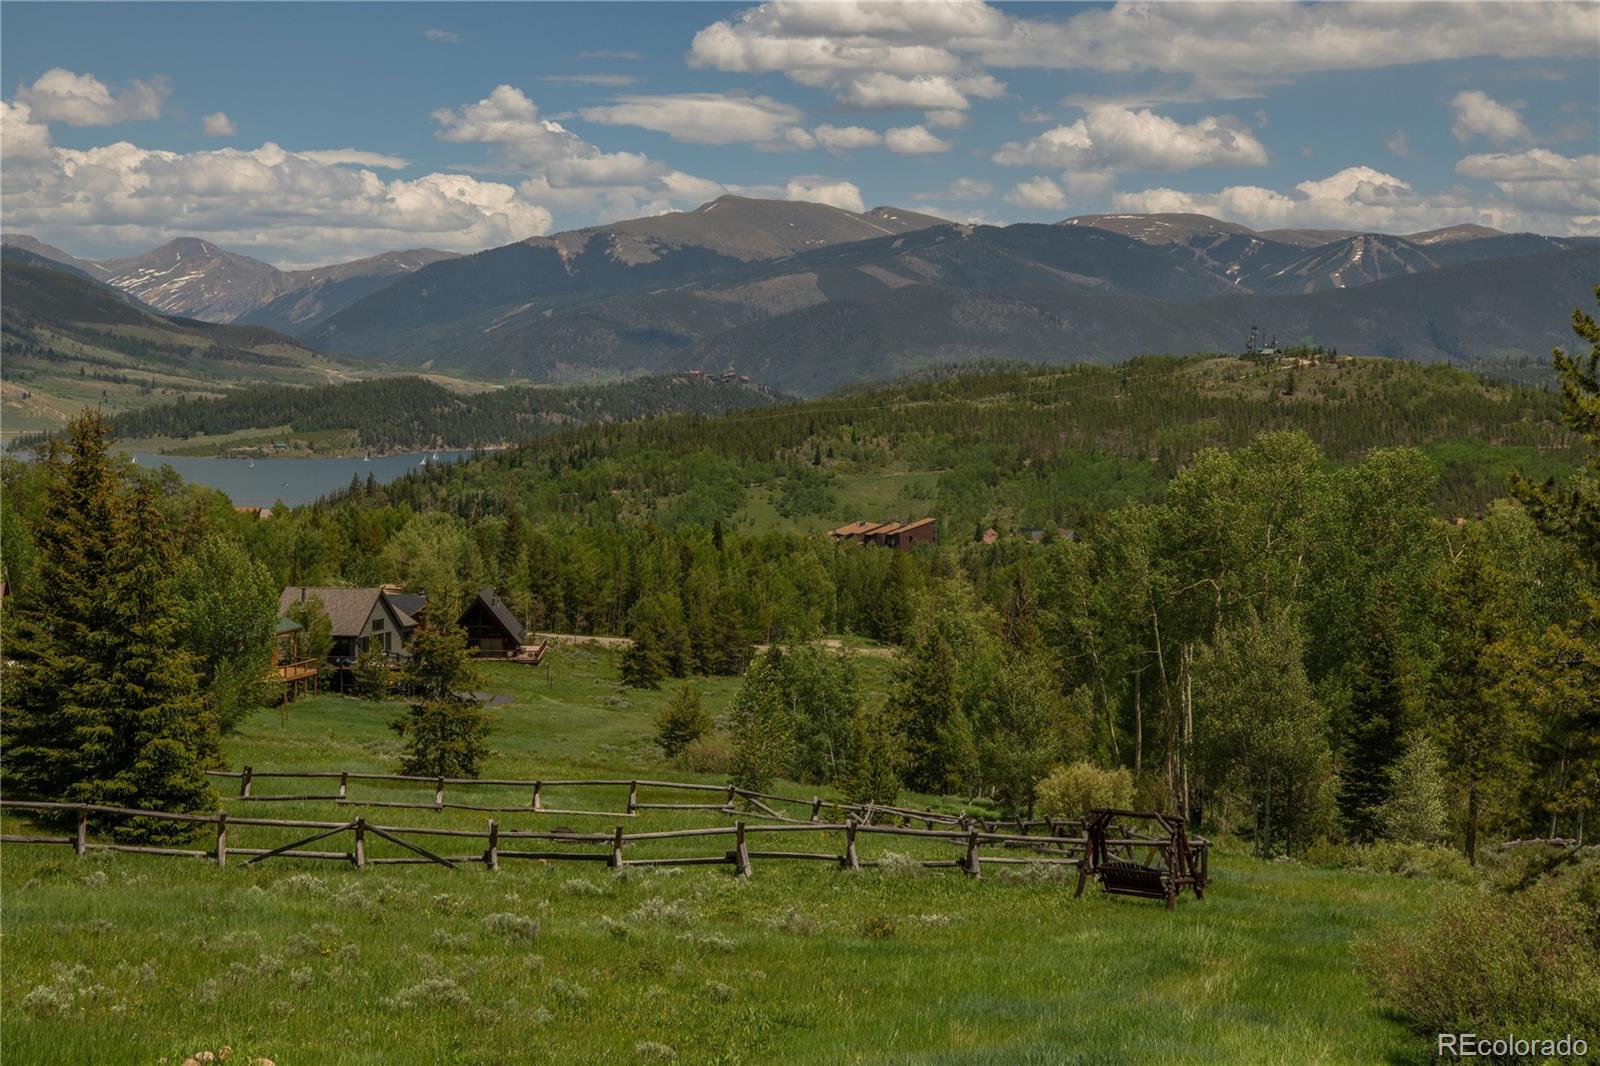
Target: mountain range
pixel 194 278
pixel 804 297
pixel 68 340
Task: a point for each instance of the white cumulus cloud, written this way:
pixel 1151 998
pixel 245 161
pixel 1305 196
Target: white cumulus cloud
pixel 302 207
pixel 871 54
pixel 218 124
pixel 914 140
pixel 1540 181
pixel 1115 138
pixel 1476 115
pixel 59 95
pixel 563 170
pixel 846 138
pixel 701 118
pixel 1037 194
pixel 831 191
pixel 1541 191
pixel 291 207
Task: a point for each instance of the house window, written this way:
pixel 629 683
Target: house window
pixel 377 625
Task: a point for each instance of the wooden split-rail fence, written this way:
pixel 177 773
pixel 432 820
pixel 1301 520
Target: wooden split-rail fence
pixel 752 804
pixel 557 845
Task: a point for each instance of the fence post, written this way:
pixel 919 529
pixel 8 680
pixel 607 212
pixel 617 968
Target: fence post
pixel 972 868
pixel 633 796
pixel 850 861
pixel 438 793
pixel 491 858
pixel 615 862
pixel 732 792
pixel 222 838
pixel 741 851
pixel 344 782
pixel 537 804
pixel 361 843
pixel 816 807
pixel 81 845
pixel 244 783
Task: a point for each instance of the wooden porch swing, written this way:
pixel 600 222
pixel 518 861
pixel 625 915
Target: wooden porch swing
pixel 1111 841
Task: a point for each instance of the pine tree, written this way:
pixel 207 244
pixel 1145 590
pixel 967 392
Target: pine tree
pixel 1377 707
pixel 56 727
pixel 371 672
pixel 1415 809
pixel 443 738
pixel 644 663
pixel 439 666
pixel 924 699
pixel 682 721
pixel 167 736
pixel 1478 726
pixel 1572 511
pixel 104 703
pixel 874 759
pixel 763 730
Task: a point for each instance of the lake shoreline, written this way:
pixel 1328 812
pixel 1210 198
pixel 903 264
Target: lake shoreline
pixel 292 480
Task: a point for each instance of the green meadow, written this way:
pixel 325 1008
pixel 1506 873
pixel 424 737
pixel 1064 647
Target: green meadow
pixel 117 958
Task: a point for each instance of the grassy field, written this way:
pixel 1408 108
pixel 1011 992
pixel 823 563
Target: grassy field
pixel 140 959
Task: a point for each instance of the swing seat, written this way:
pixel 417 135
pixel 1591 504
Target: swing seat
pixel 1123 878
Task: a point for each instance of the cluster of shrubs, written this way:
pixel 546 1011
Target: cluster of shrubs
pixel 687 735
pixel 1406 858
pixel 1524 961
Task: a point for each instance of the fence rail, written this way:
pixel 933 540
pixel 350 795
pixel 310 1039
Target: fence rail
pixel 734 800
pixel 1049 851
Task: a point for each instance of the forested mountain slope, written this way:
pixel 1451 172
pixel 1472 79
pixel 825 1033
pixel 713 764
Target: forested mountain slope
pixel 410 413
pixel 1028 447
pixel 70 341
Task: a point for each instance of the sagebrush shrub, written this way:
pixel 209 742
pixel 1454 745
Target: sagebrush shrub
pixel 1072 791
pixel 708 754
pixel 1526 963
pixel 512 926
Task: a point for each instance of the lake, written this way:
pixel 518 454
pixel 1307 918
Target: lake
pixel 263 482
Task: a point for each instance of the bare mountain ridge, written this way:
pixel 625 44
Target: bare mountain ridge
pixel 1284 261
pixel 51 252
pixel 195 278
pixel 745 228
pixel 1177 228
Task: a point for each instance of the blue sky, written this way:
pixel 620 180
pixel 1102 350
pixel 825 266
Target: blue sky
pixel 309 133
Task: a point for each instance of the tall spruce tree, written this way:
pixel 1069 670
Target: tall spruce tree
pixel 1377 709
pixel 1559 675
pixel 167 735
pixel 1478 725
pixel 874 759
pixel 924 699
pixel 105 705
pixel 56 722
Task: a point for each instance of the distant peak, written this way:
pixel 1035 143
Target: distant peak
pixel 1466 231
pixel 190 246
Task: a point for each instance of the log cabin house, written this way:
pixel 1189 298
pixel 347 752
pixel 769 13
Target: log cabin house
pixel 388 617
pixel 360 618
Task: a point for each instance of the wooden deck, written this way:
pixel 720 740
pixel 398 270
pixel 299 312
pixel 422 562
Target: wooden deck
pixel 527 654
pixel 295 671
